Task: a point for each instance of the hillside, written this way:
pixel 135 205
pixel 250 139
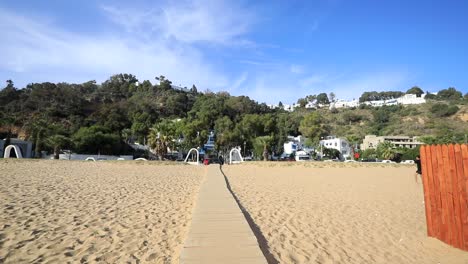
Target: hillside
pixel 105 118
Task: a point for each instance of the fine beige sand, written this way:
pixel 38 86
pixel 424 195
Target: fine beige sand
pixel 88 212
pixel 339 213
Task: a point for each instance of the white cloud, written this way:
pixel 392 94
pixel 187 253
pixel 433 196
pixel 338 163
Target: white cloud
pixel 188 21
pixel 312 80
pixel 296 69
pixel 35 50
pixel 239 81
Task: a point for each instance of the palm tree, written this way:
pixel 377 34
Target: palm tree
pixel 160 136
pixel 264 141
pixel 386 150
pixel 57 142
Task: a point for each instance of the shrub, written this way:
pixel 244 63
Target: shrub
pixel 443 110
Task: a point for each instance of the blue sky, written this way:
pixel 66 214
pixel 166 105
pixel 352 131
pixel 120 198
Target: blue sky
pixel 269 50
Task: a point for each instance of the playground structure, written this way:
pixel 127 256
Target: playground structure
pixel 8 149
pixel 445 178
pixel 235 156
pixel 188 156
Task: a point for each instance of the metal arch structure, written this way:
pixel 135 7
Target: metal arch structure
pixel 17 150
pixel 240 155
pixel 188 155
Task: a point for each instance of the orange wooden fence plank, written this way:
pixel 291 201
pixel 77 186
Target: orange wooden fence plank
pixel 462 197
pixel 449 196
pixel 426 164
pixel 464 159
pixel 444 229
pixel 437 206
pixel 456 228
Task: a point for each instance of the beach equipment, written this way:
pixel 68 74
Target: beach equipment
pixel 188 156
pixel 235 156
pixel 17 150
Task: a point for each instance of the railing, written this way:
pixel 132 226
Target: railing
pixel 445 180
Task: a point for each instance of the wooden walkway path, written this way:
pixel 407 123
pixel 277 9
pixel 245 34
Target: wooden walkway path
pixel 219 232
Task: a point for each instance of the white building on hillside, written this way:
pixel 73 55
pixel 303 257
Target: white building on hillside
pixel 294 144
pixel 340 144
pixel 344 104
pixel 372 141
pixel 409 99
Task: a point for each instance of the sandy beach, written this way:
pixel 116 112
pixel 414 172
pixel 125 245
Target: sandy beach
pixel 140 212
pixel 88 212
pixel 339 213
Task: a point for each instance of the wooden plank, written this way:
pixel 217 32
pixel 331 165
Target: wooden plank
pixel 464 161
pixel 437 206
pixel 426 166
pixel 462 197
pixel 456 228
pixel 444 235
pixel 449 194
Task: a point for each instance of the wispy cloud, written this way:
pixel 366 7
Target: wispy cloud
pixel 209 21
pixel 296 69
pixel 238 82
pixel 37 50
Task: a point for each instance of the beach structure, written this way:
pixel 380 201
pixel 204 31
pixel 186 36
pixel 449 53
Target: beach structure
pixel 444 174
pixel 25 147
pixel 190 157
pixel 372 141
pixel 340 144
pixel 15 148
pixel 302 155
pixel 74 156
pixel 235 156
pixel 219 232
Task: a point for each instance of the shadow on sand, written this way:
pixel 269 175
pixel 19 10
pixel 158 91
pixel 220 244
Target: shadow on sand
pixel 262 242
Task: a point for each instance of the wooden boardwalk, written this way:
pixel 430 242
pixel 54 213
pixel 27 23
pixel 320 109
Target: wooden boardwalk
pixel 219 232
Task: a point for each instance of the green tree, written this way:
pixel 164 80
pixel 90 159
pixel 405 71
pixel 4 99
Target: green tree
pixel 369 154
pixel 449 94
pixel 57 142
pixel 415 90
pixel 96 140
pixel 386 150
pixel 262 144
pixel 161 136
pixel 313 127
pixel 322 98
pixel 444 110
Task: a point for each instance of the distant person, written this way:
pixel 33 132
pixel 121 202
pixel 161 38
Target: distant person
pixel 418 166
pixel 221 161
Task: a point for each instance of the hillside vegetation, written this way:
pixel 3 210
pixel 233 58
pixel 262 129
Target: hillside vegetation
pixel 104 118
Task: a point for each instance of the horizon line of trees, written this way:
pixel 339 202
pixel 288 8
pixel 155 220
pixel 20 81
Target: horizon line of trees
pixel 104 118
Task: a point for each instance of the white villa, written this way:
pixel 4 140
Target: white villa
pixel 407 99
pixel 344 104
pixel 294 144
pixel 286 107
pixel 340 144
pixel 372 141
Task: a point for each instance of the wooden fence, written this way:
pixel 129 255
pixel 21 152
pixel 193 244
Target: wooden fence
pixel 445 180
